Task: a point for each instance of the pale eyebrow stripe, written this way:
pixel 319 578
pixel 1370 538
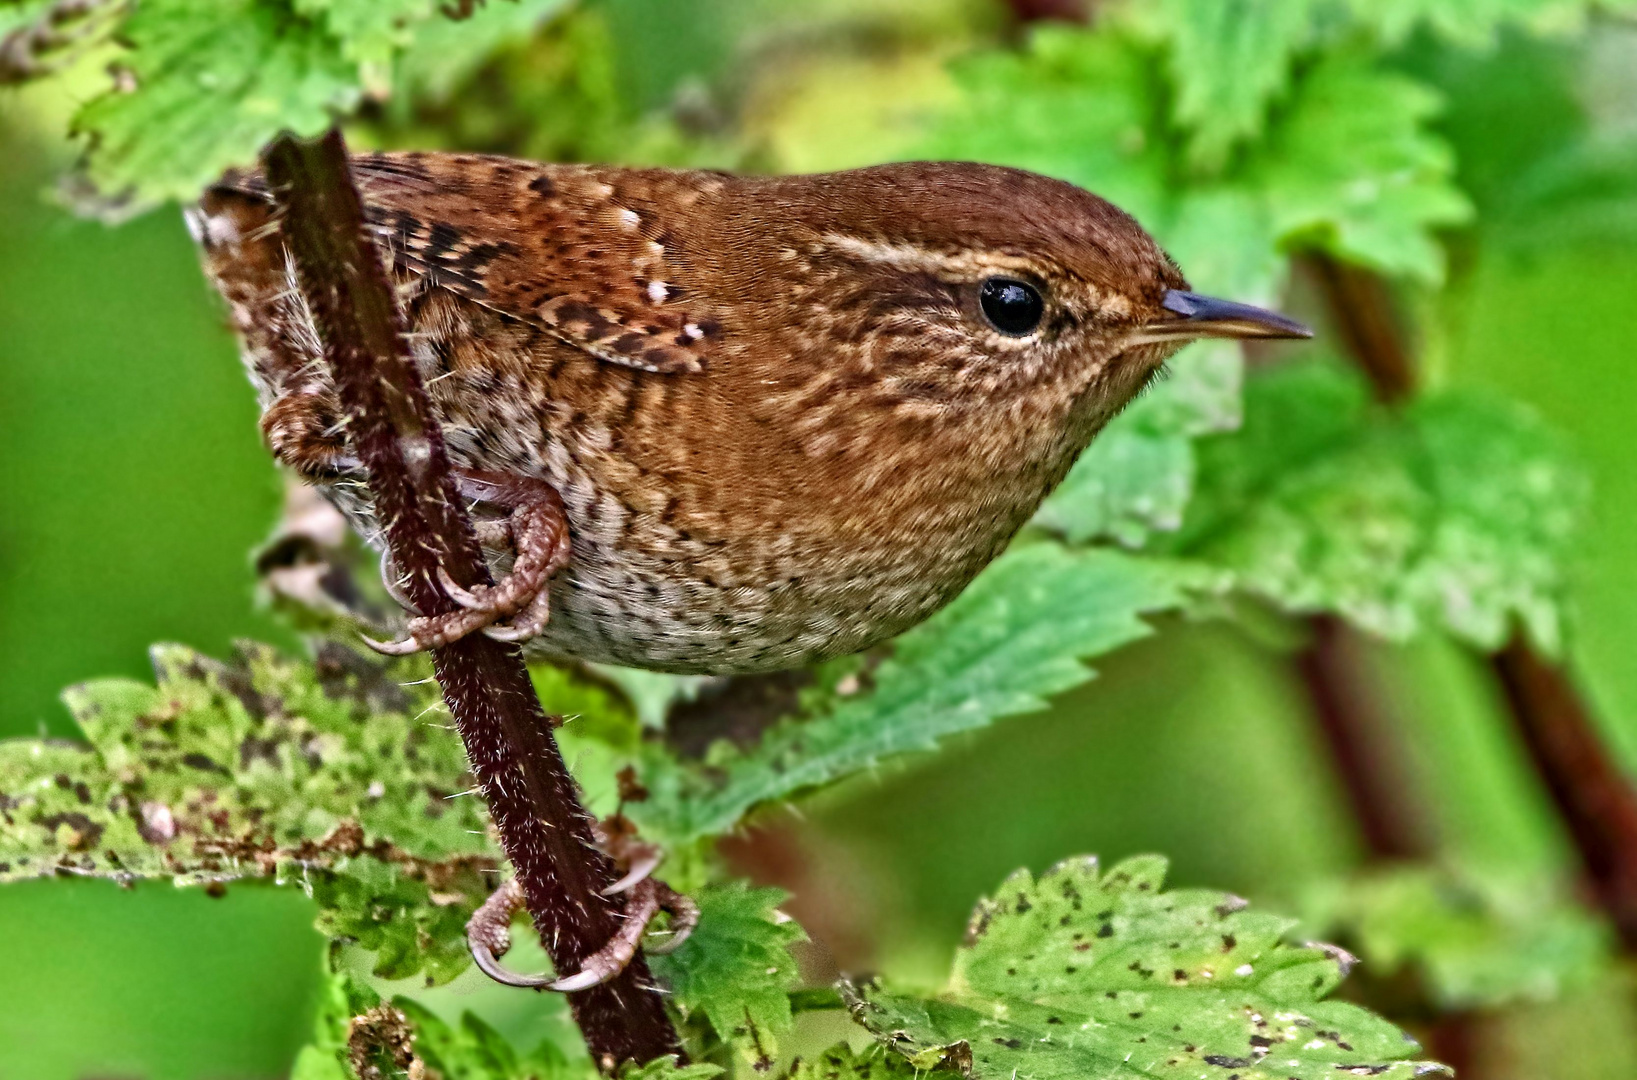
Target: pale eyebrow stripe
pixel 916 257
pixel 969 266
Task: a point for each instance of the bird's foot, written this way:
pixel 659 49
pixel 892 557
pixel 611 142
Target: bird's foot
pixel 488 934
pixel 537 529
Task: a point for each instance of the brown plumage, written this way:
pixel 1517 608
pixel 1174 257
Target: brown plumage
pixel 781 413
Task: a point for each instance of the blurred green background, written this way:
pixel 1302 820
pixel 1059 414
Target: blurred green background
pixel 133 487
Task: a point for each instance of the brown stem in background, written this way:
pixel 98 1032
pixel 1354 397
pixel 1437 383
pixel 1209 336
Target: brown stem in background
pixel 1595 798
pixel 531 796
pixel 1361 310
pixel 1360 737
pixel 1062 10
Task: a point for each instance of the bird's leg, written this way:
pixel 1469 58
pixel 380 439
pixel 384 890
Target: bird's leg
pixel 488 933
pixel 537 529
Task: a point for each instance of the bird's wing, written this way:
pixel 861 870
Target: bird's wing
pixel 575 249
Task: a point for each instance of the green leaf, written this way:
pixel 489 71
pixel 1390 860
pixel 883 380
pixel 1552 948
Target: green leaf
pixel 332 778
pixel 653 693
pixel 403 1038
pixel 204 87
pixel 210 84
pixel 842 1062
pixel 1228 59
pixel 368 31
pixel 1097 975
pixel 1351 169
pixel 666 1068
pixel 735 969
pixel 1473 22
pixel 1480 942
pixel 1457 515
pixel 443 52
pixel 472 1050
pixel 1079 106
pixel 1015 637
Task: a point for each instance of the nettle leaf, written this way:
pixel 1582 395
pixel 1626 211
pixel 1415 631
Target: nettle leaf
pixel 1080 106
pixel 666 1068
pixel 1015 637
pixel 369 31
pixel 1093 975
pixel 1459 514
pixel 1473 22
pixel 208 85
pixel 203 87
pixel 736 970
pixel 1228 59
pixel 1478 942
pixel 1352 169
pixel 443 52
pixel 331 777
pixel 842 1062
pixel 402 1038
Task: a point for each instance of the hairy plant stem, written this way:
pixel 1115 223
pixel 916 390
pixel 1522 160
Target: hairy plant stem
pixel 1596 800
pixel 532 799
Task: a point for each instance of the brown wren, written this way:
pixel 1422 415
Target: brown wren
pixel 720 423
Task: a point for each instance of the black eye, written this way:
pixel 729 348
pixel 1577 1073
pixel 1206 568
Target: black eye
pixel 1011 306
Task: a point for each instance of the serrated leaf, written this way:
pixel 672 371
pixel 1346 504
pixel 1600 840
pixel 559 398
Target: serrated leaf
pixel 1228 59
pixel 736 970
pixel 403 1038
pixel 1479 942
pixel 842 1062
pixel 1457 515
pixel 1352 169
pixel 443 52
pixel 368 31
pixel 666 1068
pixel 204 87
pixel 1472 22
pixel 210 85
pixel 1016 636
pixel 1080 106
pixel 329 779
pixel 1096 975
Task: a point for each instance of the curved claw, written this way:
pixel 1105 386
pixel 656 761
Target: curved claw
pixel 641 870
pixel 400 647
pixel 684 917
pixel 600 967
pixel 459 594
pixel 488 963
pixel 393 582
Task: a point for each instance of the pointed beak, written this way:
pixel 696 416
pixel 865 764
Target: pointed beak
pixel 1206 316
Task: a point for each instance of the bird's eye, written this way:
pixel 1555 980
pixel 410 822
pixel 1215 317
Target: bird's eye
pixel 1011 306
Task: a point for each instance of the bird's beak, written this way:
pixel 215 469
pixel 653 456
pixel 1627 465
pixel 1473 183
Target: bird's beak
pixel 1206 316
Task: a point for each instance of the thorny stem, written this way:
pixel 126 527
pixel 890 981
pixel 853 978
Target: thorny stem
pixel 1595 798
pixel 545 831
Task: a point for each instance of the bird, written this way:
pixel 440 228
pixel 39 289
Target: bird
pixel 724 424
